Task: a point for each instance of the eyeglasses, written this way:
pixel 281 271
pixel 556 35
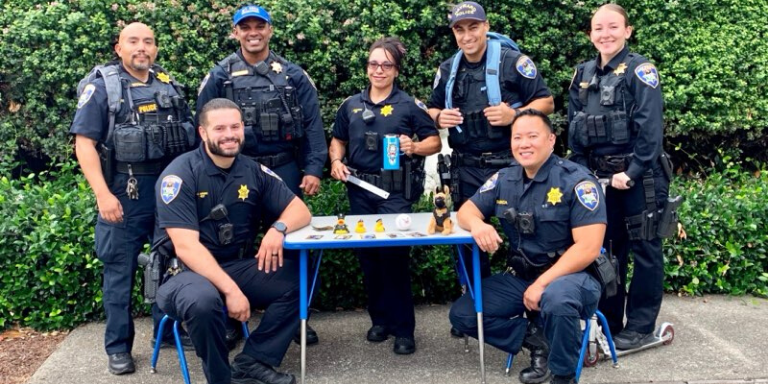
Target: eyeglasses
pixel 385 66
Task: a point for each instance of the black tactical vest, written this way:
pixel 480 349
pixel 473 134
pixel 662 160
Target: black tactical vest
pixel 606 117
pixel 153 124
pixel 270 106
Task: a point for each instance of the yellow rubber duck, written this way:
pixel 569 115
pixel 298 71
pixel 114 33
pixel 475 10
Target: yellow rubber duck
pixel 379 226
pixel 341 227
pixel 360 227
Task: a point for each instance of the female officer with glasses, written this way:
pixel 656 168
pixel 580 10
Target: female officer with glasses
pixel 362 122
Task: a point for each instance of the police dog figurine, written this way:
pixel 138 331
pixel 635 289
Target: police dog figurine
pixel 441 216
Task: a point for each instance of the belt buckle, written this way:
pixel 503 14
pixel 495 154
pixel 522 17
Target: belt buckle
pixel 484 157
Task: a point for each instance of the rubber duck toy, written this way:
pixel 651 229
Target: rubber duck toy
pixel 341 227
pixel 379 226
pixel 360 227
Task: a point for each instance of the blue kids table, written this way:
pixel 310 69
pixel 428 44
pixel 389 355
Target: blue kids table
pixel 308 238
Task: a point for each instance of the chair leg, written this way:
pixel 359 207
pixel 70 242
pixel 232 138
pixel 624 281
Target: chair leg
pixel 180 352
pixel 509 364
pixel 158 341
pixel 583 352
pixel 608 336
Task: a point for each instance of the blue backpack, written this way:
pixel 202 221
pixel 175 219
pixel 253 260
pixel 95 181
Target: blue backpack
pixel 495 42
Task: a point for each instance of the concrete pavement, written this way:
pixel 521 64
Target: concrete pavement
pixel 718 339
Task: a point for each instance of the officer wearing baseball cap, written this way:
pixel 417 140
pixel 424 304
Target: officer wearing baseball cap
pixel 281 112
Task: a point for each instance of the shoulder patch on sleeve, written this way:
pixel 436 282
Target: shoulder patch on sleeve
pixel 311 82
pixel 437 79
pixel 88 91
pixel 586 193
pixel 648 74
pixel 203 83
pixel 170 188
pixel 270 172
pixel 526 67
pixel 420 104
pixel 490 183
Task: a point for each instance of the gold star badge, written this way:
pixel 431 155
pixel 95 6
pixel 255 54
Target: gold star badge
pixel 387 110
pixel 276 67
pixel 554 196
pixel 164 77
pixel 242 193
pixel 620 69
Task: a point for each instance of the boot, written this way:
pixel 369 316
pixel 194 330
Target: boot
pixel 537 344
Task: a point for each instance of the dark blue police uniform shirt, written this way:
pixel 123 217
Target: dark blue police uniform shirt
pixel 314 148
pixel 92 115
pixel 192 185
pixel 398 114
pixel 512 81
pixel 562 196
pixel 647 113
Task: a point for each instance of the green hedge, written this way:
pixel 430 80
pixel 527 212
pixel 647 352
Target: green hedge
pixel 711 55
pixel 50 278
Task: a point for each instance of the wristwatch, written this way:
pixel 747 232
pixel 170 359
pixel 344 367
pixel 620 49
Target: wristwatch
pixel 280 227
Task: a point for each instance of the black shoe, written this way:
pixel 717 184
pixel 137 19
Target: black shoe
pixel 311 336
pixel 562 380
pixel 627 339
pixel 186 342
pixel 404 345
pixel 377 334
pixel 535 342
pixel 247 370
pixel 456 333
pixel 121 363
pixel 234 333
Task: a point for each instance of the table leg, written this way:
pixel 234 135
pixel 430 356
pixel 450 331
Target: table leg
pixel 479 307
pixel 303 309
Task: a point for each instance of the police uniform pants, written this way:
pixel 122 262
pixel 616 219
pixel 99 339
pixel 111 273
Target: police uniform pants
pixel 118 246
pixel 643 300
pixel 470 180
pixel 386 271
pixel 564 302
pixel 191 298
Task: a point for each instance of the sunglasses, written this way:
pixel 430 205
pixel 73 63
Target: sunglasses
pixel 385 66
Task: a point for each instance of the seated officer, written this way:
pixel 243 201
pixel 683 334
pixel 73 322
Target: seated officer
pixel 210 201
pixel 552 212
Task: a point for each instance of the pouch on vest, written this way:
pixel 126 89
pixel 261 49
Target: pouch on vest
pixel 130 143
pixel 579 133
pixel 158 140
pixel 619 128
pixel 269 121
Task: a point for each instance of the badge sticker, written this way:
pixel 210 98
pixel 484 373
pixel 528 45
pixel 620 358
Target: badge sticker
pixel 170 188
pixel 387 110
pixel 421 105
pixel 437 79
pixel 242 192
pixel 270 172
pixel 526 67
pixel 88 91
pixel 162 76
pixel 490 183
pixel 586 192
pixel 554 196
pixel 648 74
pixel 203 83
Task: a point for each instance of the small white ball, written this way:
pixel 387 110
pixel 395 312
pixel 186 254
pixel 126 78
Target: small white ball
pixel 403 222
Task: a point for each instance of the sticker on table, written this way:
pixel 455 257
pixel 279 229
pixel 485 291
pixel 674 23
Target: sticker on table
pixel 393 235
pixel 314 237
pixel 343 237
pixel 368 236
pixel 416 234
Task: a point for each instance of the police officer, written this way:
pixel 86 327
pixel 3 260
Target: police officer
pixel 478 130
pixel 553 214
pixel 283 127
pixel 121 153
pixel 210 202
pixel 616 129
pixel 363 123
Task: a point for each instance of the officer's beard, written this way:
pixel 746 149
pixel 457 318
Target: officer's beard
pixel 214 148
